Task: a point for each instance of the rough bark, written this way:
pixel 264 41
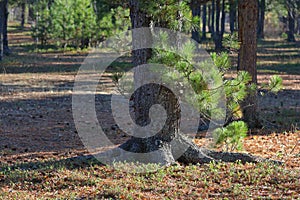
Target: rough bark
pixel 247 55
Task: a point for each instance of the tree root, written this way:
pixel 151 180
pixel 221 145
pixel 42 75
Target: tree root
pixel 167 154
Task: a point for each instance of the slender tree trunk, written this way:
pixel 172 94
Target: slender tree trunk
pixel 247 55
pixel 261 19
pixel 217 36
pixel 209 19
pixel 218 10
pixel 232 15
pixel 2 19
pixel 23 7
pixel 6 49
pixel 298 25
pixel 213 6
pixel 196 12
pixel 291 21
pixel 223 19
pixel 204 18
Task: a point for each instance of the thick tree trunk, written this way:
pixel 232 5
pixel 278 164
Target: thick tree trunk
pixel 196 12
pixel 232 15
pixel 247 55
pixel 204 18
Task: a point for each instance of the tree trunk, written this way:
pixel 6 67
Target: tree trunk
pixel 6 49
pixel 232 15
pixel 23 14
pixel 247 55
pixel 2 19
pixel 223 20
pixel 261 19
pixel 291 21
pixel 204 18
pixel 217 36
pixel 213 6
pixel 196 12
pixel 144 98
pixel 209 19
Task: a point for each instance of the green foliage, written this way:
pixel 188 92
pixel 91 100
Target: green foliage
pixel 166 14
pixel 77 23
pixel 113 23
pixel 42 27
pixel 206 99
pixel 231 136
pixel 73 21
pixel 231 42
pixel 236 91
pixel 275 84
pixel 222 61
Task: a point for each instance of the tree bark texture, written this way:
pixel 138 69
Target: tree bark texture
pixel 248 54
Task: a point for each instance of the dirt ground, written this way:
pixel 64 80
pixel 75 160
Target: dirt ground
pixel 36 109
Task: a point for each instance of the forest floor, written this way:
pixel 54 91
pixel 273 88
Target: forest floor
pixel 38 135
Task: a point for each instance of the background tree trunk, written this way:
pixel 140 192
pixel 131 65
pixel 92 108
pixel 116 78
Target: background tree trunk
pixel 291 21
pixel 23 14
pixel 204 19
pixel 2 19
pixel 232 15
pixel 248 10
pixel 217 36
pixel 213 9
pixel 196 12
pixel 261 19
pixel 223 20
pixel 209 19
pixel 6 49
